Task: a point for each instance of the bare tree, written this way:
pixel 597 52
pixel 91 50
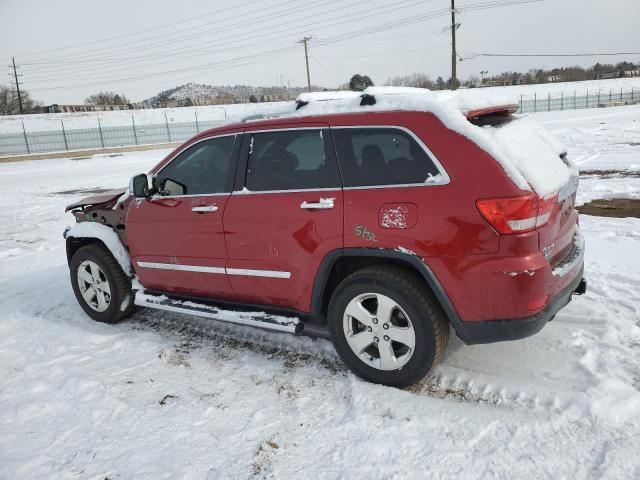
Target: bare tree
pixel 106 98
pixel 417 80
pixel 9 104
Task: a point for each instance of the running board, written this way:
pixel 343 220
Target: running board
pixel 253 319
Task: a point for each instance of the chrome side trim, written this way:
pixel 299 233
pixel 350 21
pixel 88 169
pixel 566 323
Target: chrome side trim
pixel 219 270
pixel 573 259
pixel 182 268
pixel 161 197
pixel 246 191
pixel 258 273
pixel 445 179
pixel 322 126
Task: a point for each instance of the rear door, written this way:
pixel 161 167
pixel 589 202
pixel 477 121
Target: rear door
pixel 285 217
pixel 177 237
pixel 390 180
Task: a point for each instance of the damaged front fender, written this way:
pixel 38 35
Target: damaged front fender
pixel 97 200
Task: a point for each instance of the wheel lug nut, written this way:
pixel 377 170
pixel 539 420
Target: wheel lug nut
pixel 375 321
pixel 376 339
pixel 386 338
pixel 369 329
pixel 385 326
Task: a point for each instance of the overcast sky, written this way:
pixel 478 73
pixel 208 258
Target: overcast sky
pixel 68 49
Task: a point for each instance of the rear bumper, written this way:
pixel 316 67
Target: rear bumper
pixel 504 330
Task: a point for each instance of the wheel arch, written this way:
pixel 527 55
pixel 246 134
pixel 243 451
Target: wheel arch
pixel 339 263
pixel 107 239
pixel 76 243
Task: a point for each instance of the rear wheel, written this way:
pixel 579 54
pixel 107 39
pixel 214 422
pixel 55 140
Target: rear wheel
pixel 99 284
pixel 386 325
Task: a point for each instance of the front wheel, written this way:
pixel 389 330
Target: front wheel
pixel 99 284
pixel 386 326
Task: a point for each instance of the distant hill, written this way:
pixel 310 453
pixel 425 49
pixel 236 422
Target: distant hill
pixel 198 90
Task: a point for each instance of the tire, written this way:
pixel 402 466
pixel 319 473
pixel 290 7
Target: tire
pixel 387 361
pixel 103 298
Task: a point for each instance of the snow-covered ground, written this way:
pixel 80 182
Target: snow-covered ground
pixel 605 139
pixel 79 120
pixel 568 88
pixel 155 397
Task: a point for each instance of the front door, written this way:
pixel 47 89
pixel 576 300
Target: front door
pixel 286 218
pixel 177 238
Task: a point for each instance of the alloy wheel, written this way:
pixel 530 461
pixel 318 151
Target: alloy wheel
pixel 379 331
pixel 94 286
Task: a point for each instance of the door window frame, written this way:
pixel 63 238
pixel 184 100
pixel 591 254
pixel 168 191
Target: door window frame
pixel 233 165
pixel 240 187
pixel 444 180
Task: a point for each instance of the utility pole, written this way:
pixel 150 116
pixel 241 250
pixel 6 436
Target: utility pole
pixel 305 41
pixel 453 45
pixel 15 75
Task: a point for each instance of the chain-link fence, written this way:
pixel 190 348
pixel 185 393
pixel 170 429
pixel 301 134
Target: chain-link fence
pixel 573 101
pixel 69 139
pixel 66 139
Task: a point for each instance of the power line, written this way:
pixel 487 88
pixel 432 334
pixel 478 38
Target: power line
pixel 262 40
pixel 601 54
pixel 230 40
pixel 286 50
pixel 173 52
pixel 198 17
pixel 197 35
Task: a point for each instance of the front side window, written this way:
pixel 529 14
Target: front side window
pixel 201 169
pixel 381 156
pixel 290 160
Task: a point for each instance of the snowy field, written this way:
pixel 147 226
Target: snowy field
pixel 606 139
pixel 568 88
pixel 78 120
pixel 160 396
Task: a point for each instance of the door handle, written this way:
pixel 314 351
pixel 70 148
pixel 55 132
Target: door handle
pixel 323 204
pixel 205 209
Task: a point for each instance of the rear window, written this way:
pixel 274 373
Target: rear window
pixel 381 156
pixel 290 160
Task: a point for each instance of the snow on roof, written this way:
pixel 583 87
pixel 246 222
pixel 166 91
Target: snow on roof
pixel 526 151
pixel 324 96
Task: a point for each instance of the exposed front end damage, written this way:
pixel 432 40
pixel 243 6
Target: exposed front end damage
pixel 108 212
pixel 107 208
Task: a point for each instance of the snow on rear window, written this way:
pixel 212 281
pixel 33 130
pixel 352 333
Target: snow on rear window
pixel 527 147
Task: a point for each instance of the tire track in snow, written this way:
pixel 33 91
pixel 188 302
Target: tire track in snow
pixel 296 352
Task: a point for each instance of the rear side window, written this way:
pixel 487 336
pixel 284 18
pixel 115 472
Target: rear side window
pixel 290 160
pixel 381 156
pixel 201 169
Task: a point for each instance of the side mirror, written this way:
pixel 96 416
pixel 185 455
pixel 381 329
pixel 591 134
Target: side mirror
pixel 139 186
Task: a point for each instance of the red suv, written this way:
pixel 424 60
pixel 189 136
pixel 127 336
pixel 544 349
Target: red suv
pixel 376 225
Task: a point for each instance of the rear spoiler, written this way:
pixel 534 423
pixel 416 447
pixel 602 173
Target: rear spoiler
pixel 497 110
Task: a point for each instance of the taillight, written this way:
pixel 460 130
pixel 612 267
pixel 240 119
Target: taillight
pixel 517 214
